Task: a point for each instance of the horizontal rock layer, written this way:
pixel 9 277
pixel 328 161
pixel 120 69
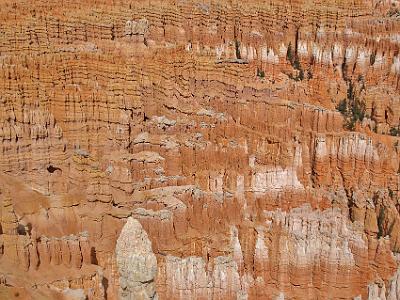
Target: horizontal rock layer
pixel 187 150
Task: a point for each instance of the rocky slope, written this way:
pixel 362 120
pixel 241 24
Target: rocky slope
pixel 199 150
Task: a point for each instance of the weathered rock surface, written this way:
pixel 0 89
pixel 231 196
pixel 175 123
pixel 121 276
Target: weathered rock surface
pixel 199 150
pixel 137 264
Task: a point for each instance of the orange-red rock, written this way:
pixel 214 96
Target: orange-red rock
pixel 219 130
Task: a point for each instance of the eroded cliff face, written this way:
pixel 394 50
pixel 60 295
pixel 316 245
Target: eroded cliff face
pixel 199 150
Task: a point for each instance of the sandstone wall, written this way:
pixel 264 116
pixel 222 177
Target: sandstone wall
pixel 205 142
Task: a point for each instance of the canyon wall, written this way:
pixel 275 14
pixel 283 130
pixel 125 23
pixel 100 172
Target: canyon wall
pixel 199 150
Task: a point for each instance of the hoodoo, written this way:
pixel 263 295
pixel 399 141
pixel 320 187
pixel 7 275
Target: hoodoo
pixel 215 149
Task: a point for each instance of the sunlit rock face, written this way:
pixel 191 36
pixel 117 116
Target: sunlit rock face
pixel 136 263
pixel 199 150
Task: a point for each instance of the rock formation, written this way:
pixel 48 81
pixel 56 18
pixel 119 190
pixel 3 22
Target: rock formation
pixel 136 263
pixel 199 149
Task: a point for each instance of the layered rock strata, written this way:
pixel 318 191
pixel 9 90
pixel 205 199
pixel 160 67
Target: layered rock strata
pixel 199 150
